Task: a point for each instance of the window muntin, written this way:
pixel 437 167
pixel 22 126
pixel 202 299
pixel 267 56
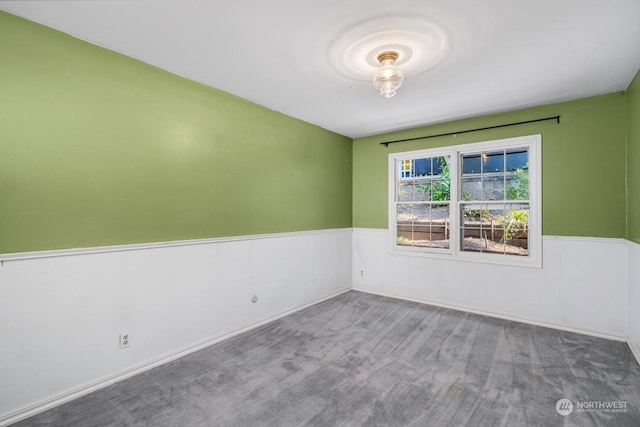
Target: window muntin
pixel 491 211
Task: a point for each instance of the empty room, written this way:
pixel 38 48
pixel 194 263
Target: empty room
pixel 356 213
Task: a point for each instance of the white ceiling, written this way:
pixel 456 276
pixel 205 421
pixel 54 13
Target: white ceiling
pixel 297 56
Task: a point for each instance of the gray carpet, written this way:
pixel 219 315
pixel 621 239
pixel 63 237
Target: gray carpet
pixel 364 360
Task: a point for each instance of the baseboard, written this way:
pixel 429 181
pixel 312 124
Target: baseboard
pixel 502 316
pixel 635 351
pixel 39 407
pixel 633 246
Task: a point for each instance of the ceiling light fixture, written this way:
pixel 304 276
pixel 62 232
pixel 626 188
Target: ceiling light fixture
pixel 388 78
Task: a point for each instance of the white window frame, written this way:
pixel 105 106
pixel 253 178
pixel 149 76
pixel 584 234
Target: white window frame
pixel 533 143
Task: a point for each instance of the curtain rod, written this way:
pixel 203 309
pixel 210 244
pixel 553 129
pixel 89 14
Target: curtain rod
pixel 557 118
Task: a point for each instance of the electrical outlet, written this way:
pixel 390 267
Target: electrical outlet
pixel 362 272
pixel 125 339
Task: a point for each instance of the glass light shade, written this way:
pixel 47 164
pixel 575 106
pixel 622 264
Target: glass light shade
pixel 388 78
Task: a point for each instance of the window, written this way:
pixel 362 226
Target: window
pixel 477 202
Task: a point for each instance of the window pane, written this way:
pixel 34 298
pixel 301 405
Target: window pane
pixel 431 229
pixel 470 239
pixel 470 188
pixel 495 228
pixel 493 161
pixel 471 163
pixel 517 158
pixel 518 185
pixel 424 167
pixel 441 190
pixel 404 212
pixel 404 191
pixel 422 190
pixel 474 213
pixel 493 186
pixel 423 225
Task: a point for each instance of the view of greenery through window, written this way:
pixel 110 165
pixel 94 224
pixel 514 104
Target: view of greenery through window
pixel 423 198
pixel 493 202
pixel 494 206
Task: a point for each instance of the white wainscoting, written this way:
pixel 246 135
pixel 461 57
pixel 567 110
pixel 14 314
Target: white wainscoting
pixel 634 299
pixel 61 314
pixel 582 285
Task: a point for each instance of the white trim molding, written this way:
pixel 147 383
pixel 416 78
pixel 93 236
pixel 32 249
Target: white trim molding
pixel 16 256
pixel 634 350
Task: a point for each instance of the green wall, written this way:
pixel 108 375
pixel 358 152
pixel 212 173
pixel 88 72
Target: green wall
pixel 583 164
pixel 633 159
pixel 100 149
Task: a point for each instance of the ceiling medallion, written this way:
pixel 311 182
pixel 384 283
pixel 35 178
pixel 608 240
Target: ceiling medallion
pixel 409 45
